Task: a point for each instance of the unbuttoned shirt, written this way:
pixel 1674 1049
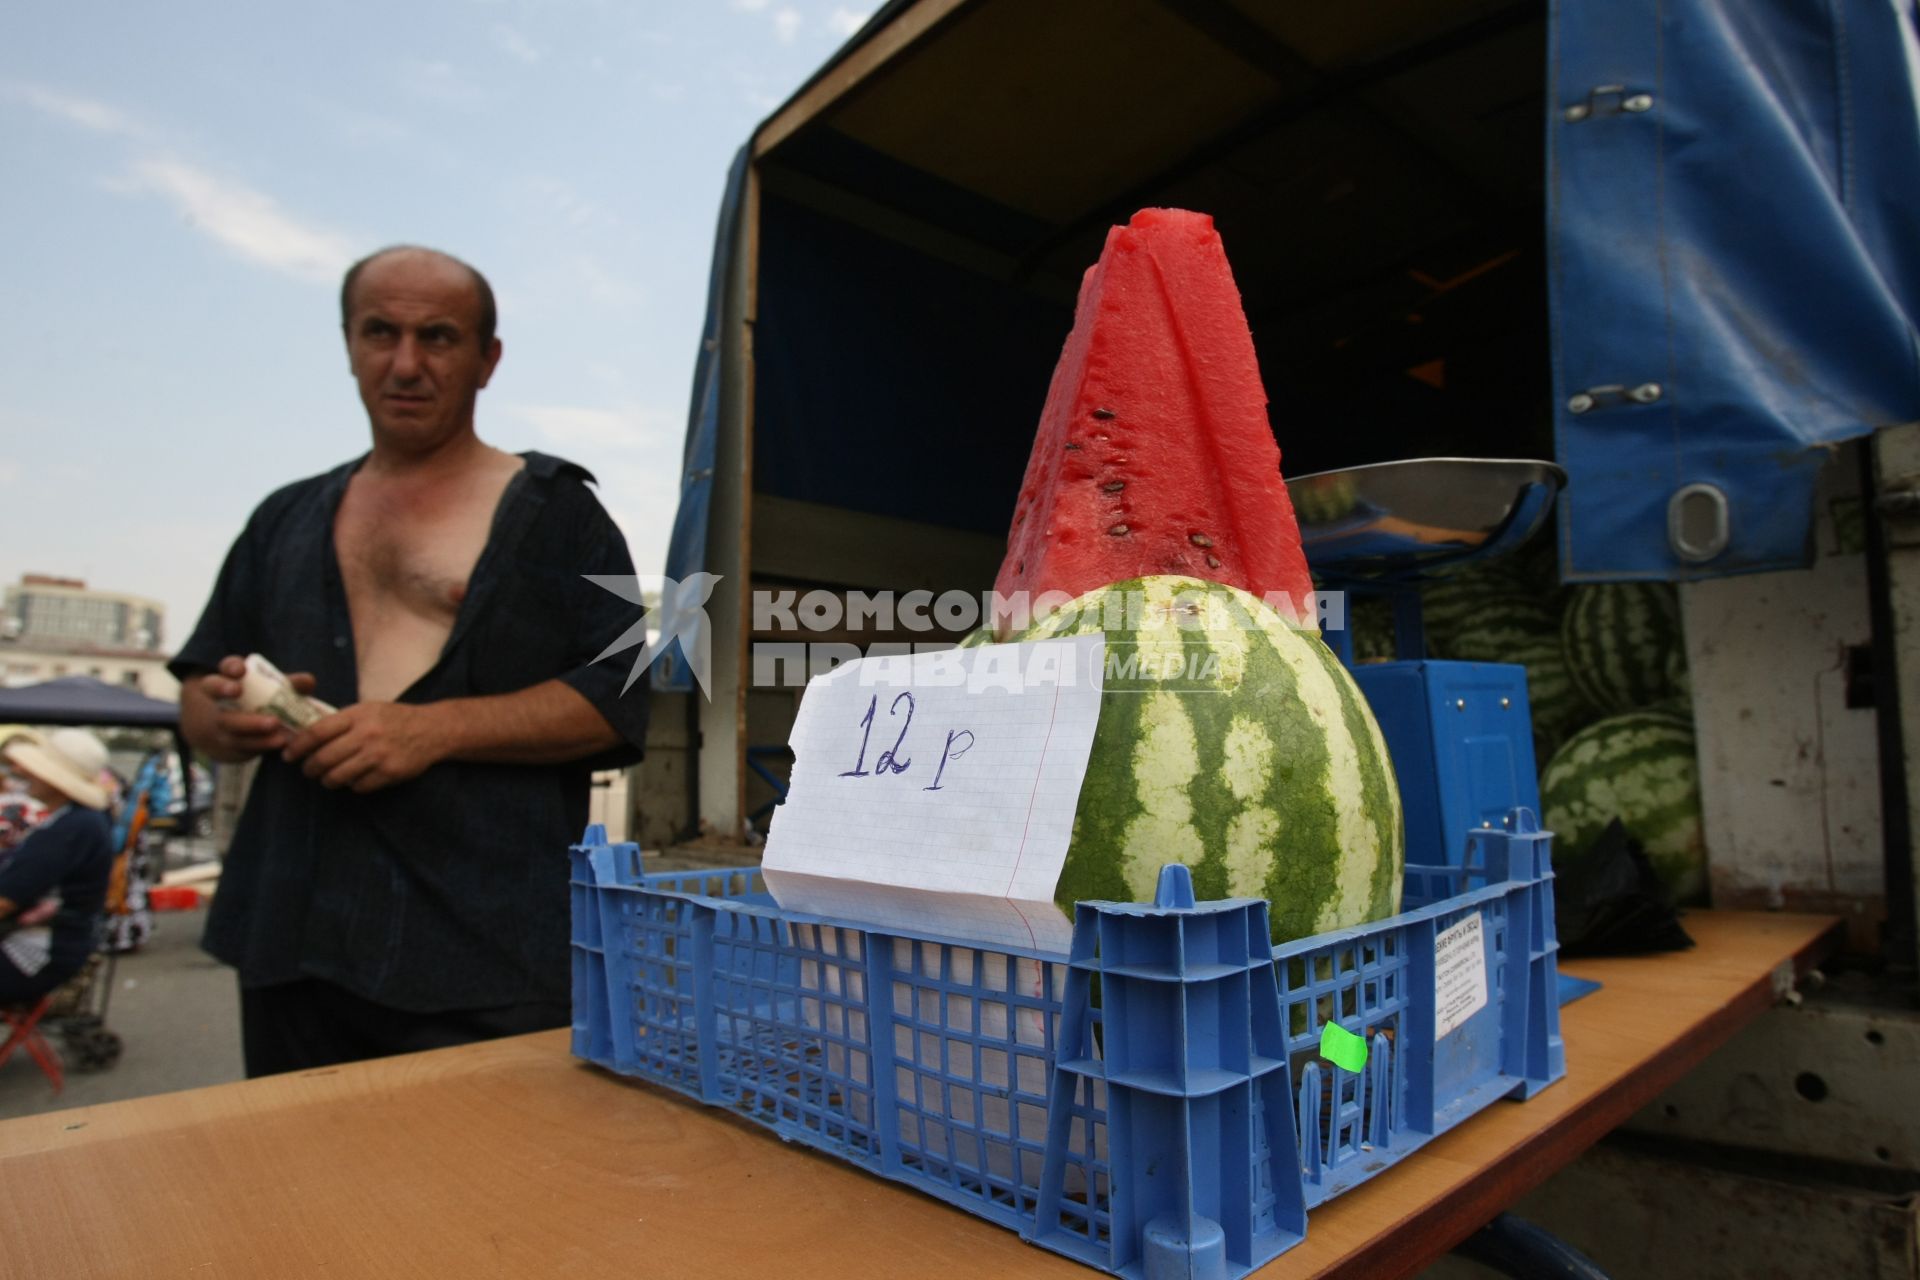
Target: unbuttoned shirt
pixel 449 890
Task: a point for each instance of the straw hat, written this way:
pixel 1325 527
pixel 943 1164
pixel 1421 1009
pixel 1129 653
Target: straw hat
pixel 70 760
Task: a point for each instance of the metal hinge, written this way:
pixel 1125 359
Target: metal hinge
pixel 1613 393
pixel 1608 100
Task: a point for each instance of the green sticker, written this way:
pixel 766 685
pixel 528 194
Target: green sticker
pixel 1342 1048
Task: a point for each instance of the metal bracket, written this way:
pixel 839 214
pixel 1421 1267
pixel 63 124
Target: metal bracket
pixel 1608 100
pixel 1613 393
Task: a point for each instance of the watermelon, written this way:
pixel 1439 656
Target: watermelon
pixel 1639 767
pixel 1371 618
pixel 1153 453
pixel 1622 643
pixel 1450 604
pixel 1324 499
pixel 1236 743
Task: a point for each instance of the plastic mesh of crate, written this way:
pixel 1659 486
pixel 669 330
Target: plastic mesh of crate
pixel 1155 1098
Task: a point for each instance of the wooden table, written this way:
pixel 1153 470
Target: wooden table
pixel 512 1159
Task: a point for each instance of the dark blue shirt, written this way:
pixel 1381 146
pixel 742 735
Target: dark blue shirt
pixel 447 891
pixel 71 852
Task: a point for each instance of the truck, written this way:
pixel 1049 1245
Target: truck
pixel 1670 247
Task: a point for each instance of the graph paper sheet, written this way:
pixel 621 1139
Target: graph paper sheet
pixel 936 792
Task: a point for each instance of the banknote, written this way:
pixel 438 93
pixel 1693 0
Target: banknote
pixel 264 690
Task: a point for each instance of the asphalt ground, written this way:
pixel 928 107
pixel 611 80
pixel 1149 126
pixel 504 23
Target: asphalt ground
pixel 177 1013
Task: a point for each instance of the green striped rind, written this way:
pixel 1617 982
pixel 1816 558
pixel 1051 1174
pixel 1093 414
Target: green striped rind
pixel 1539 561
pixel 1501 625
pixel 1639 767
pixel 1268 778
pixel 1448 604
pixel 1371 618
pixel 1622 641
pixel 1558 710
pixel 975 638
pixel 1323 499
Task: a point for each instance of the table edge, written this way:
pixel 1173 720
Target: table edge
pixel 1434 1230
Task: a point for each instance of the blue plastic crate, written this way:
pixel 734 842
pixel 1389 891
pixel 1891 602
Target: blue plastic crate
pixel 1152 1104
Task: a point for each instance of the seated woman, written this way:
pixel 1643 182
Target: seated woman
pixel 70 853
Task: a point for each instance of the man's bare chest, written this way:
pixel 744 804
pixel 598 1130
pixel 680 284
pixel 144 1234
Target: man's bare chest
pixel 404 554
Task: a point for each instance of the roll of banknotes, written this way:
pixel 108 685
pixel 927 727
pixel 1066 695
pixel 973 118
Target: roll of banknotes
pixel 265 690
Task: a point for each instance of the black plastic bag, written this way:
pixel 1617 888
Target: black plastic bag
pixel 1608 901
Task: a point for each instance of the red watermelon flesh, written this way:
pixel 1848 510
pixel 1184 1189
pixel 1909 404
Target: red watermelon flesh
pixel 1154 454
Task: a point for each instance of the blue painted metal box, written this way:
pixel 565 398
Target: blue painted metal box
pixel 1462 743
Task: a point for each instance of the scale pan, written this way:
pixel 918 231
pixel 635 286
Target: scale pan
pixel 1421 518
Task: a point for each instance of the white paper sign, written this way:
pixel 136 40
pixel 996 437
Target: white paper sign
pixel 935 792
pixel 1459 974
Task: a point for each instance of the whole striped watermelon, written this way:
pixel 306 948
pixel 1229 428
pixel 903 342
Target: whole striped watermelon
pixel 1623 646
pixel 1448 605
pixel 1371 618
pixel 1525 629
pixel 1638 767
pixel 1232 742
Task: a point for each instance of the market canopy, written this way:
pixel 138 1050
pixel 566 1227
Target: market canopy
pixel 84 700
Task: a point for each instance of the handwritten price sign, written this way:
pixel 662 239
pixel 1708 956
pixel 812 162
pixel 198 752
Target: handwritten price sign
pixel 936 792
pixel 959 742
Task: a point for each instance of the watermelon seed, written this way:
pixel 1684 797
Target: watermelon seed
pixel 1073 446
pixel 1213 562
pixel 1103 413
pixel 1199 539
pixel 1115 487
pixel 1118 531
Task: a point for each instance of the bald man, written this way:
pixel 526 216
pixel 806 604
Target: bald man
pixel 398 879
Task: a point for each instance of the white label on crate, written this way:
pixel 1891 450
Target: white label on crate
pixel 1459 974
pixel 935 792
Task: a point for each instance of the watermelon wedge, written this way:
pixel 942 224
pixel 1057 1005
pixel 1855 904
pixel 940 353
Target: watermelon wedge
pixel 1154 455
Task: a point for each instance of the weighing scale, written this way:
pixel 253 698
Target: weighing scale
pixel 1460 733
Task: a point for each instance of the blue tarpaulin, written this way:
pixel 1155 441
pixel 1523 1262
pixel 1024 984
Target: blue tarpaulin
pixel 1734 222
pixel 687 548
pixel 1733 271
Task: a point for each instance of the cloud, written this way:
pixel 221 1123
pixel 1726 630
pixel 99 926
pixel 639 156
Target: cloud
pixel 786 25
pixel 85 112
pixel 513 44
pixel 844 22
pixel 9 471
pixel 750 6
pixel 245 221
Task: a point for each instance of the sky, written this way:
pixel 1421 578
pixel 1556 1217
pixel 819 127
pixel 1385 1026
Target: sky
pixel 186 182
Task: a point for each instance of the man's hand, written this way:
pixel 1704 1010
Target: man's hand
pixel 370 745
pixel 231 736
